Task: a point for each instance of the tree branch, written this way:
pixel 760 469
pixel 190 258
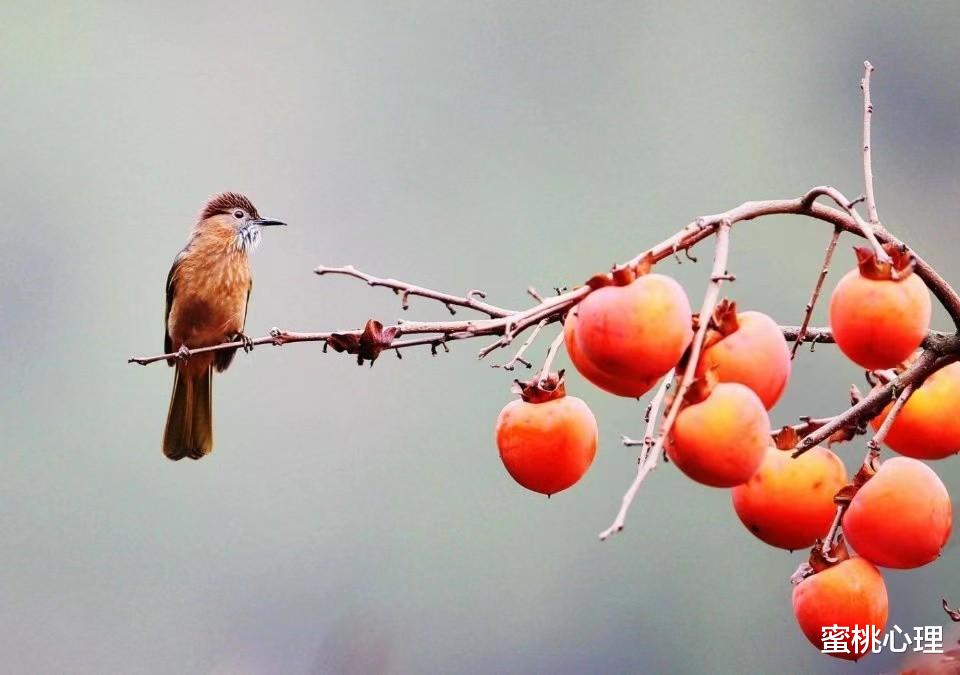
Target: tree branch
pixel 647 461
pixel 930 360
pixel 472 300
pixel 718 275
pixel 867 159
pixel 808 310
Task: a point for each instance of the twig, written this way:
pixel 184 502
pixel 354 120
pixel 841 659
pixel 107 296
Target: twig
pixel 551 355
pixel 718 275
pixel 472 300
pixel 554 307
pixel 518 357
pixel 647 461
pixel 808 310
pixel 865 228
pixel 873 451
pixel 867 159
pixel 929 361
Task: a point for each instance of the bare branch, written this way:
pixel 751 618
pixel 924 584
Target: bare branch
pixel 551 355
pixel 929 361
pixel 808 311
pixel 512 324
pixel 718 275
pixel 472 300
pixel 867 159
pixel 518 357
pixel 647 461
pixel 866 230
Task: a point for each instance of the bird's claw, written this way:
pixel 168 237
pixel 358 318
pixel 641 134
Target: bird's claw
pixel 183 353
pixel 247 342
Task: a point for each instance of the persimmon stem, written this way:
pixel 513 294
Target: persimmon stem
pixel 551 355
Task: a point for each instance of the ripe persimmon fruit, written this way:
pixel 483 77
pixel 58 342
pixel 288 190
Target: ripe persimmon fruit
pixel 928 425
pixel 611 383
pixel 627 336
pixel 901 517
pixel 722 439
pixel 547 440
pixel 880 313
pixel 788 502
pixel 748 348
pixel 847 595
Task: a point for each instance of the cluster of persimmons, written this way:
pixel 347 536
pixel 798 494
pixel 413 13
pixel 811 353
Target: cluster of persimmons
pixel 628 334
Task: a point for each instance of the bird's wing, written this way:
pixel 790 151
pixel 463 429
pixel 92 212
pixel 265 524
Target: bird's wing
pixel 171 289
pixel 246 305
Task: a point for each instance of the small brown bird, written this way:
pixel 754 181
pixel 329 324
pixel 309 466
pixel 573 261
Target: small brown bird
pixel 207 293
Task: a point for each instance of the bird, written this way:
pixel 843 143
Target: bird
pixel 208 290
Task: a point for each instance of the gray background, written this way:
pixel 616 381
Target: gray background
pixel 360 520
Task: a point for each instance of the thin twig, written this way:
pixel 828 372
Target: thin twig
pixel 808 310
pixel 554 307
pixel 718 275
pixel 518 357
pixel 551 355
pixel 873 451
pixel 865 228
pixel 929 361
pixel 647 461
pixel 867 159
pixel 472 300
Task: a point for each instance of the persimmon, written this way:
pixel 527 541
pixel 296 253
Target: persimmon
pixel 547 440
pixel 788 502
pixel 879 313
pixel 611 383
pixel 928 426
pixel 847 595
pixel 632 334
pixel 749 348
pixel 901 517
pixel 721 440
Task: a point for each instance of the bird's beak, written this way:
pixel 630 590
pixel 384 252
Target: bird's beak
pixel 266 222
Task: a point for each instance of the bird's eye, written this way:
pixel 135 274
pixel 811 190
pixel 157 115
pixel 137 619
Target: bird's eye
pixel 238 214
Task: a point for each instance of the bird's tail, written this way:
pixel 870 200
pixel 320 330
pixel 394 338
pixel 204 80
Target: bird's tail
pixel 189 430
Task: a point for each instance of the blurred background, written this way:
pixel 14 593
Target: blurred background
pixel 360 520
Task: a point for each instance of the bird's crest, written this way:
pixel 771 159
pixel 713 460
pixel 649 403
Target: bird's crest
pixel 226 202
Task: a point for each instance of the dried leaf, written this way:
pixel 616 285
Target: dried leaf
pixel 368 345
pixel 599 281
pixel 644 266
pixel 623 276
pixel 786 439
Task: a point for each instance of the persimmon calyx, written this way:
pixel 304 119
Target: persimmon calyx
pixel 534 391
pixel 899 268
pixel 622 276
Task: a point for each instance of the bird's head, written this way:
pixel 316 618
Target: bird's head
pixel 235 214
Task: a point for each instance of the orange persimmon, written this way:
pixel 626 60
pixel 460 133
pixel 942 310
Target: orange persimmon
pixel 611 383
pixel 631 334
pixel 928 425
pixel 879 313
pixel 847 595
pixel 788 502
pixel 901 517
pixel 721 440
pixel 547 440
pixel 750 350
